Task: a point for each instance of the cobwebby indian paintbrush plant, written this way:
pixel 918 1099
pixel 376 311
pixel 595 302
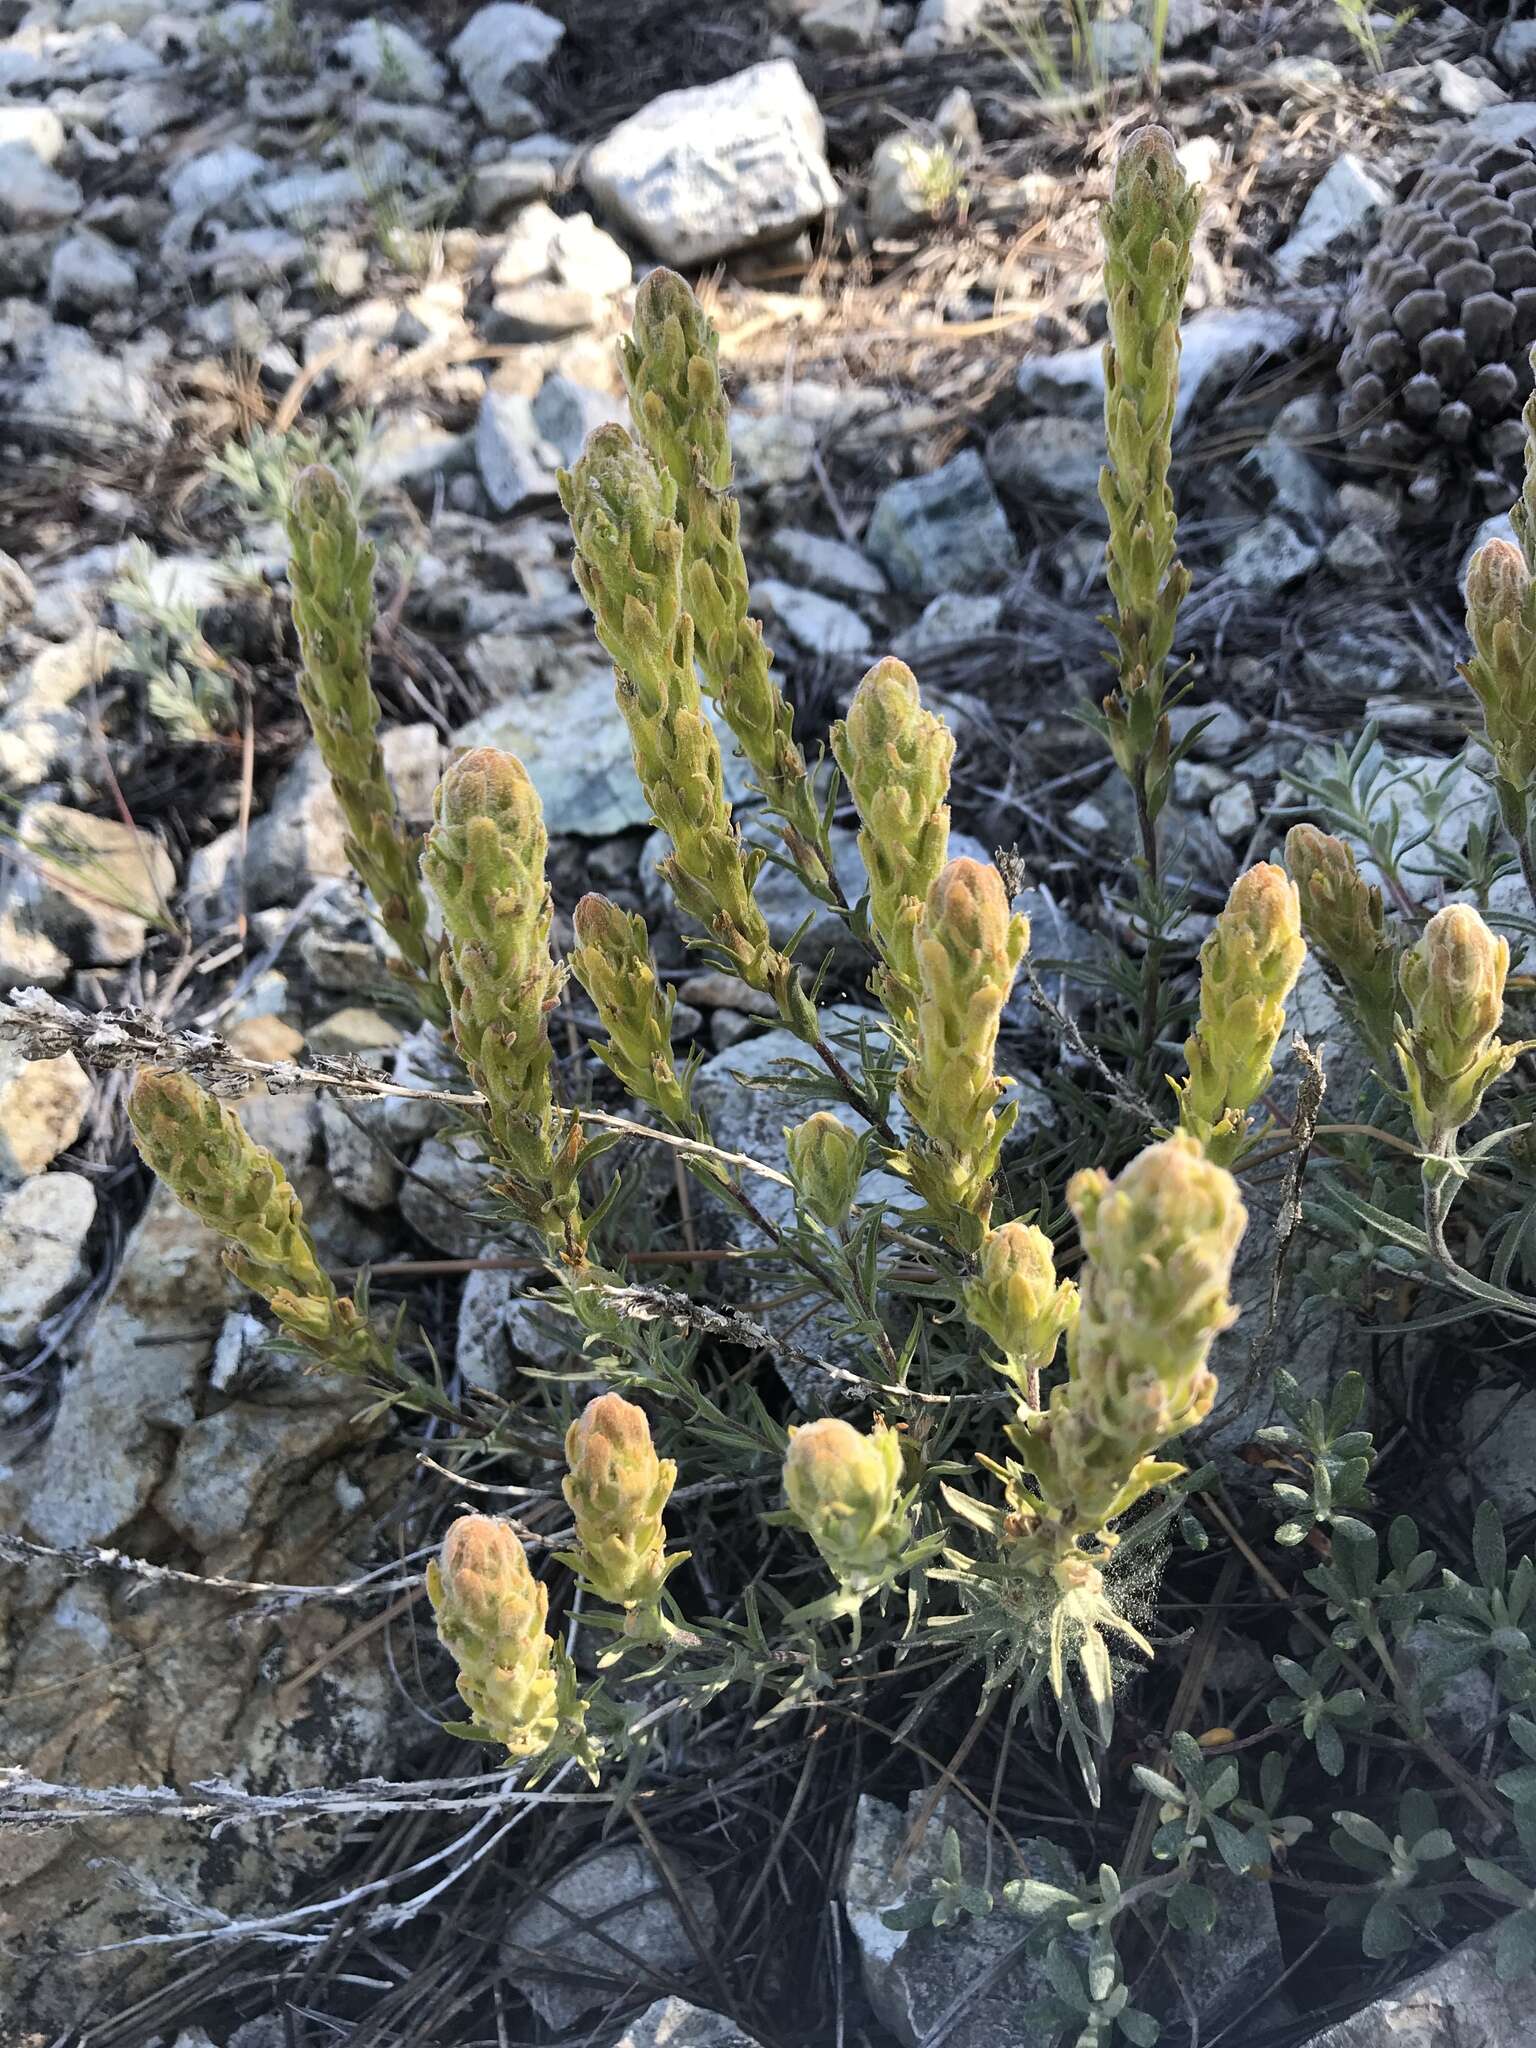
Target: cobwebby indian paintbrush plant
pixel 1072 1378
pixel 616 1488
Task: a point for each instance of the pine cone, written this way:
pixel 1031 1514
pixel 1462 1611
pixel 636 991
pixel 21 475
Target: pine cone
pixel 1441 325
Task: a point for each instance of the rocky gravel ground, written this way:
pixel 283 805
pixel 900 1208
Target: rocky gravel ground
pixel 235 237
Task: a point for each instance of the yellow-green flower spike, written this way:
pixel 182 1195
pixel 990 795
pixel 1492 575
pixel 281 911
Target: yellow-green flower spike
pixel 616 1490
pixel 612 960
pixel 1448 1047
pixel 1248 966
pixel 844 1489
pixel 485 861
pixel 1343 918
pixel 672 370
pixel 1154 1296
pixel 331 573
pixel 896 757
pixel 1522 514
pixel 1015 1299
pixel 969 946
pixel 826 1163
pixel 1501 620
pixel 628 564
pixel 491 1615
pixel 200 1149
pixel 1149 228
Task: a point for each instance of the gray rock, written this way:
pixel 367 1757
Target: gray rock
pixel 1458 2001
pixel 1229 1971
pixel 517 465
pixel 822 563
pixel 565 412
pixel 426 1062
pixel 1515 122
pixel 1499 1442
pixel 28 958
pixel 500 188
pixel 73 380
pixel 35 127
pixel 360 1166
pixel 448 1197
pixel 711 169
pixel 840 26
pixel 587 258
pixel 820 625
pixel 674 2023
pixel 1286 481
pixel 1465 92
pixel 32 193
pixel 1186 20
pixel 1344 207
pixel 92 885
pixel 43 1227
pixel 1058 459
pixel 1355 555
pixel 945 24
pixel 1515 49
pixel 565 1970
pixel 89 274
pixel 942 531
pixel 501 51
pixel 772 448
pixel 42 1106
pixel 302 836
pixel 501 1325
pixel 913 1978
pixel 591 789
pixel 381 55
pixel 541 312
pixel 955 618
pixel 1269 557
pixel 1119 49
pixel 201 184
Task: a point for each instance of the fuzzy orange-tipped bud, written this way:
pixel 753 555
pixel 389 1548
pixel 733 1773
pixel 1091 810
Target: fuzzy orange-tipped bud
pixel 826 1163
pixel 845 1491
pixel 1449 1049
pixel 491 1618
pixel 616 1489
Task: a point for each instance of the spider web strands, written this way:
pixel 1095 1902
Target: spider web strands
pixel 80 1560
pixel 43 1028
